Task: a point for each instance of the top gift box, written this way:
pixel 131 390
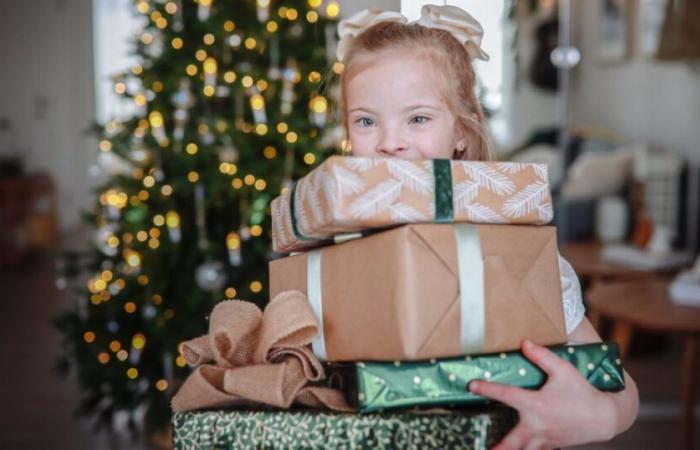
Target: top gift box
pixel 346 195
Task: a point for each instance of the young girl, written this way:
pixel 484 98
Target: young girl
pixel 408 92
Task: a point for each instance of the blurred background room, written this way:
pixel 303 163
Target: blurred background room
pixel 121 228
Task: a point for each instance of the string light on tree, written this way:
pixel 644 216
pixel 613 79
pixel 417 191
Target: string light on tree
pixel 209 67
pixel 318 107
pixel 155 118
pixel 233 243
pixel 172 220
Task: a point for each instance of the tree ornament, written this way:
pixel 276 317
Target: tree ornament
pixel 109 164
pixel 233 243
pixel 204 10
pixel 172 220
pixel 210 276
pixel 318 111
pixel 287 95
pixel 274 73
pixel 228 153
pixel 183 100
pixel 139 154
pixel 178 24
pixel 155 118
pixel 257 104
pixel 263 10
pixel 105 238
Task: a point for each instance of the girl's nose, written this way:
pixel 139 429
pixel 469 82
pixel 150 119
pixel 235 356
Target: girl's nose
pixel 391 144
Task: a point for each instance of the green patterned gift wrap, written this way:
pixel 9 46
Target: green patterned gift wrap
pixel 273 429
pixel 378 386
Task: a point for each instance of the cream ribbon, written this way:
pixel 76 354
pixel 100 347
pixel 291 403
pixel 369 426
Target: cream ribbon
pixel 315 295
pixel 470 268
pixel 465 28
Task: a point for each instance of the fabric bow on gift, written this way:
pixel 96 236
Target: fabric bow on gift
pixel 257 358
pixel 465 28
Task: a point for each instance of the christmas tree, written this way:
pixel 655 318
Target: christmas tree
pixel 232 104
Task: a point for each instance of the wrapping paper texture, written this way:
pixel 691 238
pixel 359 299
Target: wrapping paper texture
pixel 473 429
pixel 377 386
pixel 351 194
pixel 395 295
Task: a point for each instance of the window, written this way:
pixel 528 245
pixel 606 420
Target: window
pixel 114 25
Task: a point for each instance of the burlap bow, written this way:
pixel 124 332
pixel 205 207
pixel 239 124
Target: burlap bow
pixel 465 28
pixel 257 358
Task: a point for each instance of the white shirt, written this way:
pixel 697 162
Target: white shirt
pixel 571 296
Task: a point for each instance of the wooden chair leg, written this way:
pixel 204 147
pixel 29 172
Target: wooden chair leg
pixel 688 393
pixel 622 334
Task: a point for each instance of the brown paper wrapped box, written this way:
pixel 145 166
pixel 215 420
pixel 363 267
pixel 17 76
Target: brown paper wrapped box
pixel 351 194
pixel 396 295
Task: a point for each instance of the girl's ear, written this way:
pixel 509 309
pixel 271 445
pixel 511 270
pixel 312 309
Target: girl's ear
pixel 462 143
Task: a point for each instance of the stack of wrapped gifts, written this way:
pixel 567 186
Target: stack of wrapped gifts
pixel 415 277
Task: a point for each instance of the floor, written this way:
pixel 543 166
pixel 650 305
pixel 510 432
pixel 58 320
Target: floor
pixel 37 404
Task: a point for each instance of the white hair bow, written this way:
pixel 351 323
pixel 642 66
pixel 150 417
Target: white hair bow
pixel 465 28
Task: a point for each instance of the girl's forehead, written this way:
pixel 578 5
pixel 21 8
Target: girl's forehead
pixel 404 78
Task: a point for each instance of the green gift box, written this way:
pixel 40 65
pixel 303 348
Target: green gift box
pixel 378 386
pixel 273 429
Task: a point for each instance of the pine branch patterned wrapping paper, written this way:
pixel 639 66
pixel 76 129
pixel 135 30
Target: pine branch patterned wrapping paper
pixel 350 194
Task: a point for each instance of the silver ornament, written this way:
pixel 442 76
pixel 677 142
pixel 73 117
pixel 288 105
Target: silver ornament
pixel 210 276
pixel 102 235
pixel 228 153
pixel 140 154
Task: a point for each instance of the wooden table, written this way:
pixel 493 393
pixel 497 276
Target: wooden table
pixel 584 257
pixel 645 304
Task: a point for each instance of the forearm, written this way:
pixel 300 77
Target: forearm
pixel 626 406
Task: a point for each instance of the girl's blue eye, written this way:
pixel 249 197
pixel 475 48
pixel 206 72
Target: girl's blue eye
pixel 419 119
pixel 365 121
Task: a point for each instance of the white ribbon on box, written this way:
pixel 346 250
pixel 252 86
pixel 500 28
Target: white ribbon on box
pixel 470 268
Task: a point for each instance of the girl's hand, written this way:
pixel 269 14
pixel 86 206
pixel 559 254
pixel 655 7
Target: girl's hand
pixel 567 410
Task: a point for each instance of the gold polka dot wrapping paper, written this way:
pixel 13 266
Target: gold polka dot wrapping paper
pixel 379 386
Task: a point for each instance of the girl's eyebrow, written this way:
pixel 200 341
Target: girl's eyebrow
pixel 367 110
pixel 407 108
pixel 418 106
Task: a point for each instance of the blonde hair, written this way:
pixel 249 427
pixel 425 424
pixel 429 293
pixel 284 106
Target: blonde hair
pixel 458 75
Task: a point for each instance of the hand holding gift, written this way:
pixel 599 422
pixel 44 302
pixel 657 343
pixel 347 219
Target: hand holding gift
pixel 566 411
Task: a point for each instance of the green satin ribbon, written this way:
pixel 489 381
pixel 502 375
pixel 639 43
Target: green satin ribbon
pixel 292 213
pixel 442 176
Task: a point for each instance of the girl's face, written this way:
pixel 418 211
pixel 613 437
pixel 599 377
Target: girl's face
pixel 395 108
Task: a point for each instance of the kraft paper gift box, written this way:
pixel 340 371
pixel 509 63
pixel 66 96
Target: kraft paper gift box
pixel 378 386
pixel 350 194
pixel 430 290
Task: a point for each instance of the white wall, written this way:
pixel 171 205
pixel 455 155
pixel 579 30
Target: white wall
pixel 641 99
pixel 46 90
pixel 350 7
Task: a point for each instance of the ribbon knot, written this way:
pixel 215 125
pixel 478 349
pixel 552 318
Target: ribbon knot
pixel 465 28
pixel 250 356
